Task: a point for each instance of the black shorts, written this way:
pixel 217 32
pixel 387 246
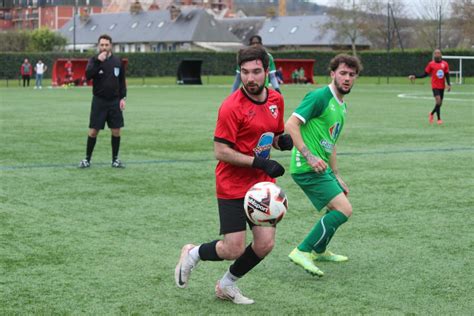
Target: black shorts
pixel 439 92
pixel 232 216
pixel 102 111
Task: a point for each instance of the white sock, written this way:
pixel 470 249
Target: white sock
pixel 194 254
pixel 228 280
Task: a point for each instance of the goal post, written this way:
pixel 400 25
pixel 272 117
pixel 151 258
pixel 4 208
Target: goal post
pixel 458 73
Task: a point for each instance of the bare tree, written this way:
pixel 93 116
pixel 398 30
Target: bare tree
pixel 462 21
pixel 375 26
pixel 347 21
pixel 430 13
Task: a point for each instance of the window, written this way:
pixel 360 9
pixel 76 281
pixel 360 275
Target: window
pixel 161 24
pixel 149 24
pixel 71 28
pixel 271 29
pixel 230 29
pixel 138 48
pixel 93 27
pixel 294 29
pixel 213 23
pixel 112 26
pixel 134 25
pixel 251 27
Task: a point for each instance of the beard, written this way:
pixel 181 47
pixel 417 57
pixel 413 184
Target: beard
pixel 340 89
pixel 254 88
pixel 437 59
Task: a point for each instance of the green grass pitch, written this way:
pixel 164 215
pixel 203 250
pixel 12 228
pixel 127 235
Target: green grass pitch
pixel 106 241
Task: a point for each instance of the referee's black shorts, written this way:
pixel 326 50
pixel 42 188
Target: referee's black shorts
pixel 439 92
pixel 232 216
pixel 103 110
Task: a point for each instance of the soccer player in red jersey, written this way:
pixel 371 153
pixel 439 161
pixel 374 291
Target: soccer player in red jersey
pixel 249 123
pixel 438 69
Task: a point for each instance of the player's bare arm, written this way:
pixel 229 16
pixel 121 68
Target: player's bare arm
pixel 225 153
pixel 292 126
pixel 333 165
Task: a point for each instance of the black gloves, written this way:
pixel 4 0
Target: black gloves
pixel 271 167
pixel 285 142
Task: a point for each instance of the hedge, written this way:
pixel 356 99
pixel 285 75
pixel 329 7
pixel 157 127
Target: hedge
pixel 376 63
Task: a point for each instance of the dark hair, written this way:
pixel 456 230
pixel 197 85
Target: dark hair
pixel 258 37
pixel 106 37
pixel 351 62
pixel 253 53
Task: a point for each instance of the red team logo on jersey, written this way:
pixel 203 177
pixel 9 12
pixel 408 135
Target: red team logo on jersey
pixel 274 110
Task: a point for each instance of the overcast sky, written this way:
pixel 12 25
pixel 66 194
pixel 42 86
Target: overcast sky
pixel 413 6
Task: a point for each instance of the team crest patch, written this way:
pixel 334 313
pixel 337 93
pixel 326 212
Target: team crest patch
pixel 335 130
pixel 264 145
pixel 116 71
pixel 440 74
pixel 274 110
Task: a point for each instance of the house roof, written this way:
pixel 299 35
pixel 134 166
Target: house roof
pixel 192 25
pixel 302 31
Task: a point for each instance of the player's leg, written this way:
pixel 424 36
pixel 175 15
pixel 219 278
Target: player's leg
pixel 437 97
pixel 262 245
pixel 339 211
pixel 97 119
pixel 232 226
pixel 320 189
pixel 441 97
pixel 115 122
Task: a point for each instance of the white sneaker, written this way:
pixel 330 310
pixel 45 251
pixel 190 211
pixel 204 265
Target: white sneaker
pixel 232 293
pixel 184 267
pixel 84 164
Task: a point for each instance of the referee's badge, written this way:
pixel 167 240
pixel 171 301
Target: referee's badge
pixel 274 110
pixel 116 71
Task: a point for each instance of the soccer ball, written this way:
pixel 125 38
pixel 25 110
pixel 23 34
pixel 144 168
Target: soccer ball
pixel 265 204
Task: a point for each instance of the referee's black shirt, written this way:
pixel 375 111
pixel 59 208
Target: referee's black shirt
pixel 108 77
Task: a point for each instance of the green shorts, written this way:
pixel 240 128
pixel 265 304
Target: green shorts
pixel 319 188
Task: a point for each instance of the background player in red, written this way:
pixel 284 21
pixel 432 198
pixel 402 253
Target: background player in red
pixel 438 69
pixel 249 123
pixel 68 78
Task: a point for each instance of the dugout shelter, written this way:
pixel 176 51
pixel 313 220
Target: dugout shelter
pixel 289 65
pixel 189 71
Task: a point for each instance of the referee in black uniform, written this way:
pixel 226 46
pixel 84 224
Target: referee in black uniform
pixel 109 90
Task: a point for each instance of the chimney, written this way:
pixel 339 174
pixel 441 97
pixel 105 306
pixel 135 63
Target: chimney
pixel 136 7
pixel 175 11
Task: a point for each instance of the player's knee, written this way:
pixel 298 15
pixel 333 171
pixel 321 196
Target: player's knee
pixel 264 248
pixel 233 250
pixel 93 133
pixel 347 209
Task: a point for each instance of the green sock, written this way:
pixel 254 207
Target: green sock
pixel 321 233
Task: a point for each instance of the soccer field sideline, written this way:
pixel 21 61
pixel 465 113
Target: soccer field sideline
pixel 276 156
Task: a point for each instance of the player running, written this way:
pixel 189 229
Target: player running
pixel 249 123
pixel 256 40
pixel 315 127
pixel 438 69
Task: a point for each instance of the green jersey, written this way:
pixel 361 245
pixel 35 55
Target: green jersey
pixel 323 119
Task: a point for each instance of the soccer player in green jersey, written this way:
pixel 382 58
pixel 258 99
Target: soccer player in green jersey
pixel 256 40
pixel 315 127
